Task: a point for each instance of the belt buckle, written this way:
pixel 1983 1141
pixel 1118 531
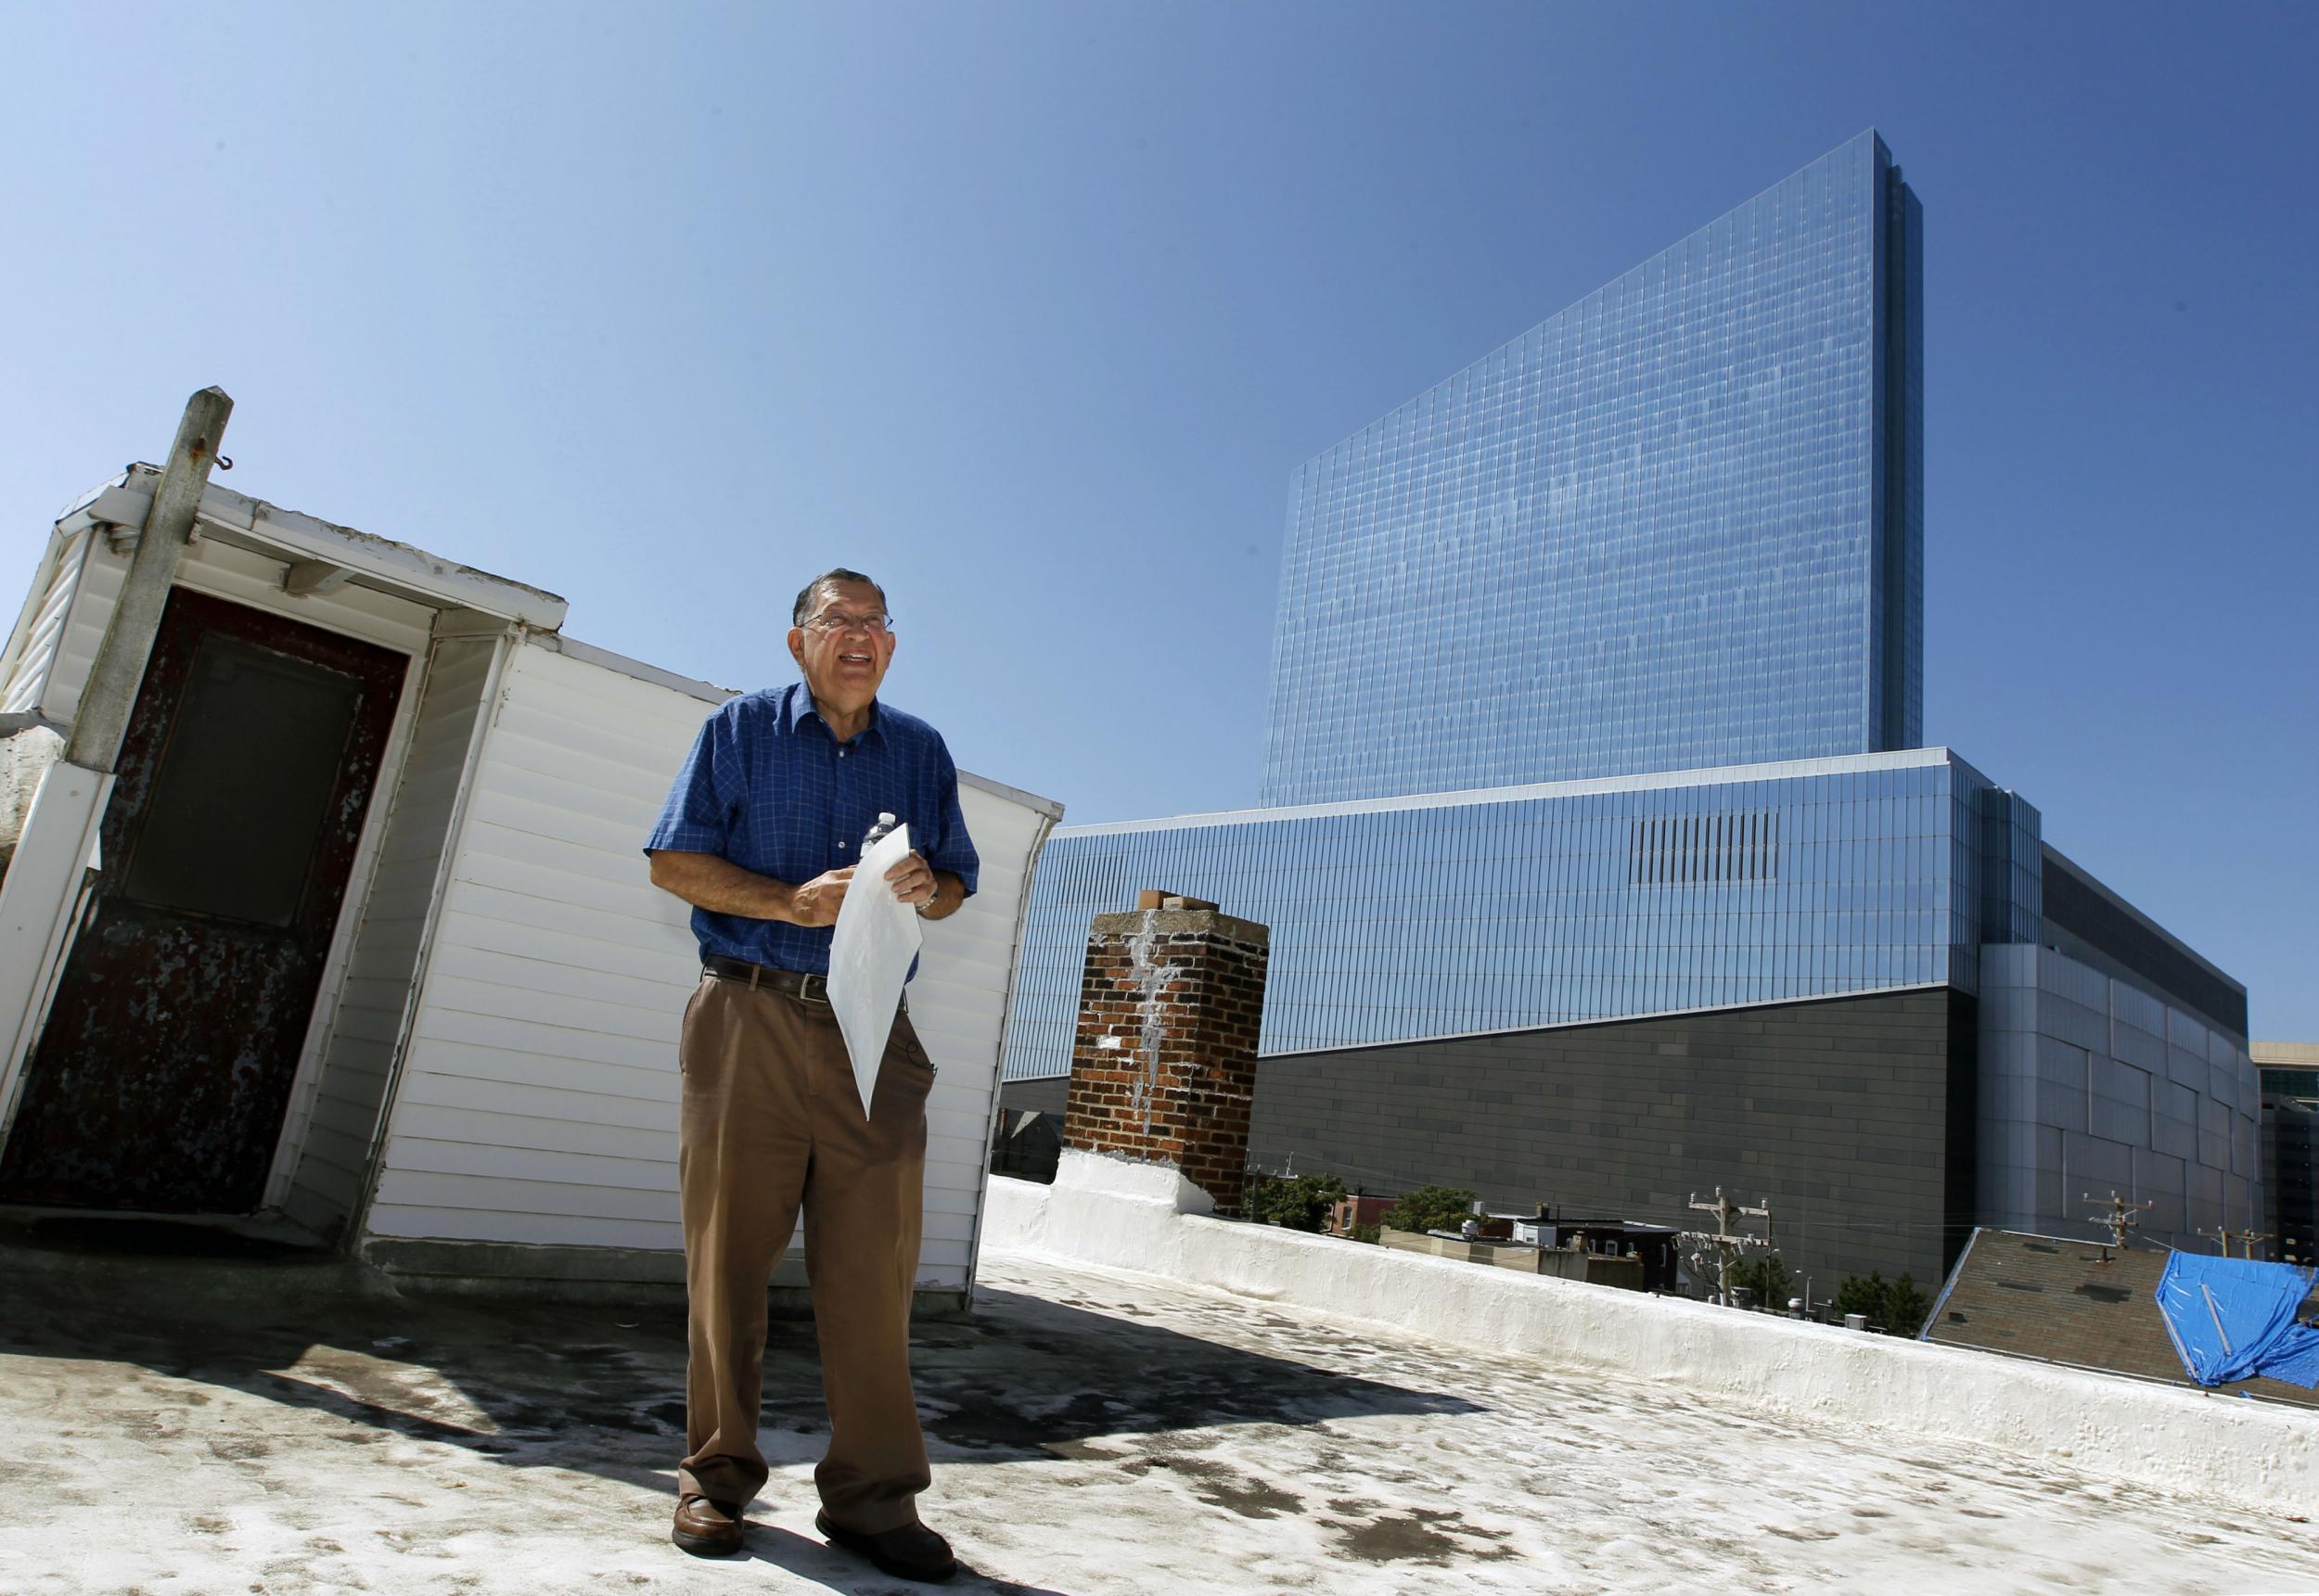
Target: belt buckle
pixel 813 988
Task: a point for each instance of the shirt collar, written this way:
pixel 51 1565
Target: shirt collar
pixel 799 708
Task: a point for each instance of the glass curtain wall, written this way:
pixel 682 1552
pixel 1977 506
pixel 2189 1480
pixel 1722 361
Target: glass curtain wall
pixel 1510 910
pixel 1678 525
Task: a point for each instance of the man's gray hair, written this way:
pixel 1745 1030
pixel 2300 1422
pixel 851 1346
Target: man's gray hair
pixel 814 590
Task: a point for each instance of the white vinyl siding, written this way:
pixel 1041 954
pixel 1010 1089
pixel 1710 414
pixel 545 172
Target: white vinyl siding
pixel 32 652
pixel 80 630
pixel 537 1100
pixel 343 1111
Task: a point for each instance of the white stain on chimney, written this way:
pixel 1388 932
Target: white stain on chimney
pixel 1152 981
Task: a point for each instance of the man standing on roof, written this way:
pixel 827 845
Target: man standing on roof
pixel 760 836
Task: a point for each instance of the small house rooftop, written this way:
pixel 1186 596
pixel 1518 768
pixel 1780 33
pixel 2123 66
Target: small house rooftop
pixel 332 553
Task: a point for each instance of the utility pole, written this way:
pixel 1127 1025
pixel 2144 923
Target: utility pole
pixel 40 894
pixel 1727 1244
pixel 2120 1219
pixel 2247 1239
pixel 102 716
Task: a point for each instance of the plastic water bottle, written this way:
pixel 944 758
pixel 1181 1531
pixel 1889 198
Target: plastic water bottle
pixel 875 834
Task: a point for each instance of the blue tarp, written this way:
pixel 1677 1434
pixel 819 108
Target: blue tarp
pixel 2234 1319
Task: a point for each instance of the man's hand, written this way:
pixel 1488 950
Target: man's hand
pixel 936 894
pixel 912 880
pixel 817 901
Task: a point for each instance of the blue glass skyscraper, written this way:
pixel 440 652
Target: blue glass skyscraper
pixel 1601 861
pixel 1678 525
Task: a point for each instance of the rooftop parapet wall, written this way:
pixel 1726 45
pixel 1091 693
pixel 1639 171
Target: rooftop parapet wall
pixel 2174 1440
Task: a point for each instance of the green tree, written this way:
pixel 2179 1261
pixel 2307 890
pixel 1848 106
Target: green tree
pixel 1867 1298
pixel 1768 1277
pixel 1905 1307
pixel 1429 1208
pixel 1300 1203
pixel 1897 1308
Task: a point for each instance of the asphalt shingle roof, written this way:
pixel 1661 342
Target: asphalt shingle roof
pixel 2072 1302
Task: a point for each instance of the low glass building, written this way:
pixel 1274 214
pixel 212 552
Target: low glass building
pixel 1513 907
pixel 1863 989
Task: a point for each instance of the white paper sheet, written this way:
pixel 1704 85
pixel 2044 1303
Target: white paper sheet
pixel 869 958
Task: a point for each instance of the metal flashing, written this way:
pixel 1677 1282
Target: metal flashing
pixel 1051 808
pixel 588 653
pixel 1006 1023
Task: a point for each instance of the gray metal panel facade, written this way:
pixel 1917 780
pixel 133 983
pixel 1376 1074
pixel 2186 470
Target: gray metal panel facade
pixel 1853 1118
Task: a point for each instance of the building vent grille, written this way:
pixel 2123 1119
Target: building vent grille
pixel 1679 849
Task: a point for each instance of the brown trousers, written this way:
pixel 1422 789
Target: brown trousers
pixel 773 1119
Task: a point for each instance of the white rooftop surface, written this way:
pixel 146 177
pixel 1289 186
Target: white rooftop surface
pixel 1528 1479
pixel 1093 1432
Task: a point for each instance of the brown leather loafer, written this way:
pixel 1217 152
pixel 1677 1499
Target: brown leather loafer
pixel 707 1528
pixel 913 1552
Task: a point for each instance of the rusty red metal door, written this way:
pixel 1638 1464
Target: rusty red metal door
pixel 163 1074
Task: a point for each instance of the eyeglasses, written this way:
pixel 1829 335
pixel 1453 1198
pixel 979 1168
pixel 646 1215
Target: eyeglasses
pixel 833 620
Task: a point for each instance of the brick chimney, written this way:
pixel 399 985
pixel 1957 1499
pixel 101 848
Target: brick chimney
pixel 1163 1068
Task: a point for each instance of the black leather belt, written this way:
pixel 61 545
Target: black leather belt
pixel 800 983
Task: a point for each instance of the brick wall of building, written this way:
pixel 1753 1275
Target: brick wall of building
pixel 1164 1065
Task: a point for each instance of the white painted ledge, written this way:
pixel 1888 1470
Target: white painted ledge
pixel 1114 1215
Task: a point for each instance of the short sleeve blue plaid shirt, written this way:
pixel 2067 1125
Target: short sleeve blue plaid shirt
pixel 767 787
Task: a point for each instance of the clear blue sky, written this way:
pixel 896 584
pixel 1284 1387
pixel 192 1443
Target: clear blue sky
pixel 1032 311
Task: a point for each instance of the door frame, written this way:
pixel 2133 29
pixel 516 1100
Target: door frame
pixel 313 1051
pixel 224 571
pixel 402 626
pixel 390 621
